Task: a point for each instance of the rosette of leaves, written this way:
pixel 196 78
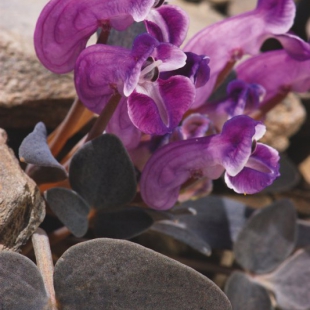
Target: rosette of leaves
pixel 272 270
pixel 108 274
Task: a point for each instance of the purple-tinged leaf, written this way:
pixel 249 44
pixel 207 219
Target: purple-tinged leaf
pixel 64 27
pixel 168 23
pixel 116 274
pixel 102 173
pixel 245 294
pixel 157 108
pixel 268 238
pixel 303 234
pixel 21 284
pixel 124 223
pixel 227 41
pixel 217 221
pixel 180 232
pixel 71 209
pixel 35 150
pixel 290 282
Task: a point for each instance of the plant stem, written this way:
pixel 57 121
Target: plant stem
pixel 104 117
pixel 59 235
pixel 44 261
pixel 64 131
pixel 204 266
pixel 77 116
pixel 224 73
pixel 262 111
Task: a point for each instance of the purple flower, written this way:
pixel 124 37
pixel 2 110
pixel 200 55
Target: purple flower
pixel 242 98
pixel 196 69
pixel 121 126
pixel 65 26
pixel 279 71
pixel 208 157
pixel 168 24
pixel 155 106
pixel 228 40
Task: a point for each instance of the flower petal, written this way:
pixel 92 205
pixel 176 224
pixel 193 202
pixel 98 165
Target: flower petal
pixel 99 73
pixel 228 40
pixel 194 126
pixel 121 126
pixel 196 69
pixel 242 98
pixel 143 47
pixel 168 24
pixel 171 56
pixel 260 171
pixel 294 46
pixel 239 133
pixel 172 165
pixel 157 108
pixel 64 27
pixel 294 73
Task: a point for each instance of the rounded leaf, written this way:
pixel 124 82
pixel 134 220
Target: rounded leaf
pixel 35 150
pixel 71 209
pixel 267 238
pixel 125 223
pixel 21 284
pixel 117 274
pixel 245 294
pixel 290 282
pixel 181 233
pixel 102 173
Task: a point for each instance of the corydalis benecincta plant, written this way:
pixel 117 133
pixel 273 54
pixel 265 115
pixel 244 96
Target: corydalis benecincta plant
pixel 158 83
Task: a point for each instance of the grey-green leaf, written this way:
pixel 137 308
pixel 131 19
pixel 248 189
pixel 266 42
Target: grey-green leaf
pixel 245 294
pixel 21 284
pixel 268 238
pixel 290 282
pixel 118 274
pixel 124 223
pixel 71 209
pixel 35 150
pixel 102 173
pixel 181 233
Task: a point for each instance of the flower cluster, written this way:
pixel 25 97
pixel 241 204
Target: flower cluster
pixel 176 128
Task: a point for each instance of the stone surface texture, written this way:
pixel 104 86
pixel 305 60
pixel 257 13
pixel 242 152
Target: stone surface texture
pixel 28 92
pixel 22 207
pixel 283 121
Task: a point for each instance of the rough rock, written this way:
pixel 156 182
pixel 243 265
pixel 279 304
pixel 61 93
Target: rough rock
pixel 22 207
pixel 28 92
pixel 240 6
pixel 283 121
